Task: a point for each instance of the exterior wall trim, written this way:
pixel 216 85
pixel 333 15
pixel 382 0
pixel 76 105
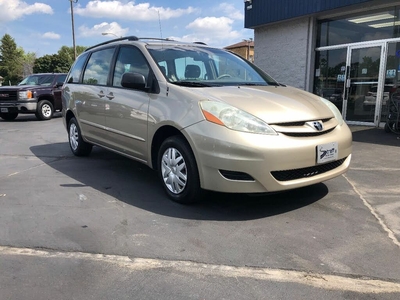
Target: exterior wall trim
pixel 361 44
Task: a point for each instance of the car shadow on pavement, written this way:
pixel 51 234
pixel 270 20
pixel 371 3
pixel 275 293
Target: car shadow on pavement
pixel 31 118
pixel 137 185
pixel 373 135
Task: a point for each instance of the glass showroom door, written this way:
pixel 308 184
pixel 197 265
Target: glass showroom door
pixel 364 84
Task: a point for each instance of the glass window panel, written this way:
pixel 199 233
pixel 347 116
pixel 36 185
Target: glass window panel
pixel 392 79
pixel 330 75
pixel 98 67
pixel 130 59
pixel 359 28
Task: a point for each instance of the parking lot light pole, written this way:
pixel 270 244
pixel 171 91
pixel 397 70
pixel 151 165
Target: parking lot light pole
pixel 73 26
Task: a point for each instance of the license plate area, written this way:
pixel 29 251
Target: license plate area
pixel 4 110
pixel 327 152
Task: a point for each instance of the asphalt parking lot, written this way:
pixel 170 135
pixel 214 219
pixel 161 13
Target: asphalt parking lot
pixel 101 228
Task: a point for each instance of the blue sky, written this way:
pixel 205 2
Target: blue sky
pixel 43 26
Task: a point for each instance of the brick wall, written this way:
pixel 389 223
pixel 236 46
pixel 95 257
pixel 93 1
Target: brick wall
pixel 283 51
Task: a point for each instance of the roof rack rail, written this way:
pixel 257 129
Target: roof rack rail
pixel 155 39
pixel 129 38
pixel 200 43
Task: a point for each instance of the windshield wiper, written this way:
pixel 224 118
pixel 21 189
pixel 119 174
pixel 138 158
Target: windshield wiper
pixel 193 84
pixel 252 84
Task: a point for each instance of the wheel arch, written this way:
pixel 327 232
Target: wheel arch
pixel 47 97
pixel 161 135
pixel 68 116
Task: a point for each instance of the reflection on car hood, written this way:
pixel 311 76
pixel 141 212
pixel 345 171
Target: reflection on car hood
pixel 270 103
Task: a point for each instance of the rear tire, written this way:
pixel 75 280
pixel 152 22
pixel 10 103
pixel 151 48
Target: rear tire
pixel 78 146
pixel 44 110
pixel 8 116
pixel 178 171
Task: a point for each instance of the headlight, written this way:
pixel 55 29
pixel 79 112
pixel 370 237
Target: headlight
pixel 25 95
pixel 234 118
pixel 334 109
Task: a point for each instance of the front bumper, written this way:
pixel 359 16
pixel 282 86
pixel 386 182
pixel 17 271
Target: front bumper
pixel 28 106
pixel 253 161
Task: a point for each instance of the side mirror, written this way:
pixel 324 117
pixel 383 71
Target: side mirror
pixel 134 81
pixel 59 84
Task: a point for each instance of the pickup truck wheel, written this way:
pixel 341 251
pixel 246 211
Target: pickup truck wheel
pixel 8 116
pixel 178 171
pixel 78 146
pixel 45 110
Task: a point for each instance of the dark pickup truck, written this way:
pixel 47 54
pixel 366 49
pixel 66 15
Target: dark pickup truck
pixel 39 94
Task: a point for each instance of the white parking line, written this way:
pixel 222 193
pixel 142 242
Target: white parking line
pixel 351 283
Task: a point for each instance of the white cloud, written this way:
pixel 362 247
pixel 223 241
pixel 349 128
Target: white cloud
pixel 51 35
pixel 211 23
pixel 221 28
pixel 230 11
pixel 97 30
pixel 15 9
pixel 130 11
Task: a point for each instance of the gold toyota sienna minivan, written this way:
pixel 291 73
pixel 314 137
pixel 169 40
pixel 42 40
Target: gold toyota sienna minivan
pixel 203 118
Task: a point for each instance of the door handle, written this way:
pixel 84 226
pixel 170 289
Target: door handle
pixel 110 96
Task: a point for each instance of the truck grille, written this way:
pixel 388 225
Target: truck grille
pixel 306 172
pixel 8 96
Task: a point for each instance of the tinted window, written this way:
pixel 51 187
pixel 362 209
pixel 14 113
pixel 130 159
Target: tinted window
pixel 76 70
pixel 61 78
pixel 98 67
pixel 38 80
pixel 129 59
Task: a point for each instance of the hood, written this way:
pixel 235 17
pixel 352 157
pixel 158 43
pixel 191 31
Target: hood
pixel 17 87
pixel 273 104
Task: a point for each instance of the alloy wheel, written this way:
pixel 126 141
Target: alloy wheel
pixel 174 170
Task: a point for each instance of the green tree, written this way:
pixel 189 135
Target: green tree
pixel 58 63
pixel 28 63
pixel 11 60
pixel 46 64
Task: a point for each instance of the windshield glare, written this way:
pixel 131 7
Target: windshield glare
pixel 38 80
pixel 207 66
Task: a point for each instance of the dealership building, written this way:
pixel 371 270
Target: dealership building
pixel 347 51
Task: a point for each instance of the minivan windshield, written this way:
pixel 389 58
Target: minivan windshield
pixel 202 67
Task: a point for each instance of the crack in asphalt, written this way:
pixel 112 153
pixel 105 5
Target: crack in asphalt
pixel 351 283
pixel 56 159
pixel 385 227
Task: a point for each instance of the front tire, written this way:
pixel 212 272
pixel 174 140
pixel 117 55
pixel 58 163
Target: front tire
pixel 8 116
pixel 78 146
pixel 178 171
pixel 44 110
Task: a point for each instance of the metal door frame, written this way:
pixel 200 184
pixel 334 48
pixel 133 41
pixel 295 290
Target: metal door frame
pixel 380 83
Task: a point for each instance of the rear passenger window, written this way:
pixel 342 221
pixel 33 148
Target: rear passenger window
pixel 98 67
pixel 76 70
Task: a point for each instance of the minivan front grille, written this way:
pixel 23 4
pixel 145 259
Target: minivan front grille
pixel 299 123
pixel 307 134
pixel 287 175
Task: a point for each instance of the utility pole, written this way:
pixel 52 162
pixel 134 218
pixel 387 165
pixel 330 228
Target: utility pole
pixel 73 26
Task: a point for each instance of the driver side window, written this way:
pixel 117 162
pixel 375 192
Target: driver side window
pixel 130 59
